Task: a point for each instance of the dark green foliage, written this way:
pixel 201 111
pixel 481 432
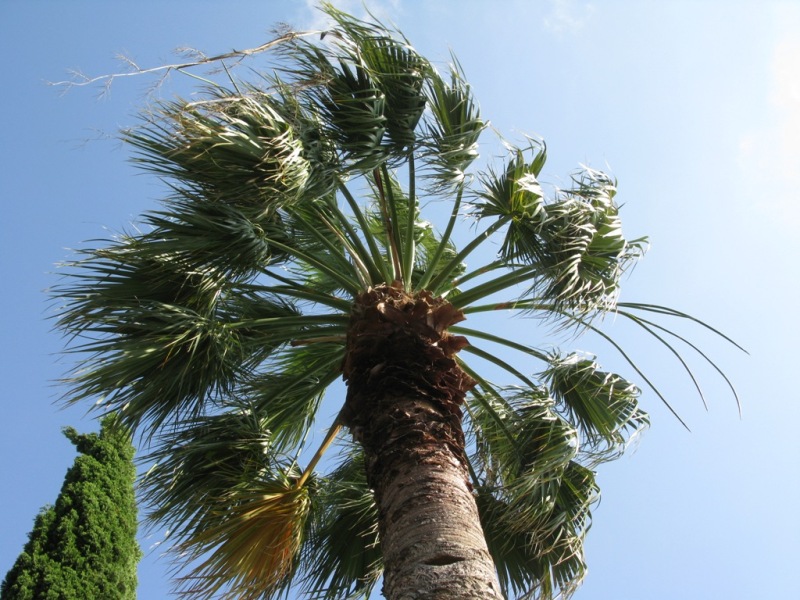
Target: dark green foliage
pixel 85 546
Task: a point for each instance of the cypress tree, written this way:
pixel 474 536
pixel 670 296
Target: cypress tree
pixel 85 545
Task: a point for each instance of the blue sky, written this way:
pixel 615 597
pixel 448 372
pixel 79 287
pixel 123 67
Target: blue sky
pixel 693 106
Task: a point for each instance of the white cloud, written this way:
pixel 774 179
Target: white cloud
pixel 567 16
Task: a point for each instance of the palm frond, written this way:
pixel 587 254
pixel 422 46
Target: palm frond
pixel 433 253
pixel 544 560
pixel 574 243
pixel 341 556
pixel 216 234
pixel 199 462
pixel 157 333
pixel 394 65
pixel 580 245
pixel 349 103
pixel 308 127
pixel 534 493
pixel 322 256
pixel 232 148
pixel 578 320
pixel 513 275
pixel 503 364
pixel 453 130
pixel 289 390
pixel 249 546
pixel 518 433
pixel 515 194
pixel 439 260
pixel 604 406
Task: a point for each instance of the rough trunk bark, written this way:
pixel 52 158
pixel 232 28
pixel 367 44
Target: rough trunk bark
pixel 405 392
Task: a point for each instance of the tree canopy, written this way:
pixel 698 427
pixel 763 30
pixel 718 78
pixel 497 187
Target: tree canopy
pixel 217 325
pixel 84 546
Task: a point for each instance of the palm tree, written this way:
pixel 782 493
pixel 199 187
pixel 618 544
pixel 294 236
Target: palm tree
pixel 291 252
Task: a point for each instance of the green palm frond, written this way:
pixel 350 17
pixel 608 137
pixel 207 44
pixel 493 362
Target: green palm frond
pixel 159 337
pixel 289 391
pixel 348 101
pixel 574 243
pixel 309 128
pixel 559 539
pixel 233 148
pixel 532 459
pixel 390 210
pixel 544 558
pixel 604 406
pixel 517 433
pixel 216 235
pixel 433 253
pixel 454 128
pixel 341 557
pixel 397 69
pixel 626 309
pixel 515 194
pixel 197 464
pixel 581 246
pixel 430 253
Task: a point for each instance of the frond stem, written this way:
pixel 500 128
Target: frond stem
pixel 361 269
pixel 362 222
pixel 426 277
pixel 437 282
pixel 334 430
pixel 466 331
pixel 389 215
pixel 301 292
pixel 295 321
pixel 411 219
pixel 498 264
pixel 345 282
pixel 366 258
pixel 500 363
pixel 529 304
pixel 492 286
pixel 325 339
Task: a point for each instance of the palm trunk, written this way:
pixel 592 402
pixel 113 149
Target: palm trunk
pixel 404 399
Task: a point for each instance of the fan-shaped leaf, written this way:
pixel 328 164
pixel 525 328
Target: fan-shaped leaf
pixel 200 462
pixel 232 148
pixel 248 548
pixel 341 557
pixel 603 405
pixel 453 130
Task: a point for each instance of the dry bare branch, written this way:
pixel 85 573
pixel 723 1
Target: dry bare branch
pixel 80 79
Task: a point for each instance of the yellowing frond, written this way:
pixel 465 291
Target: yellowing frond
pixel 252 547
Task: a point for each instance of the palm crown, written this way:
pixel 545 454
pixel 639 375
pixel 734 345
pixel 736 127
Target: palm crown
pixel 217 326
